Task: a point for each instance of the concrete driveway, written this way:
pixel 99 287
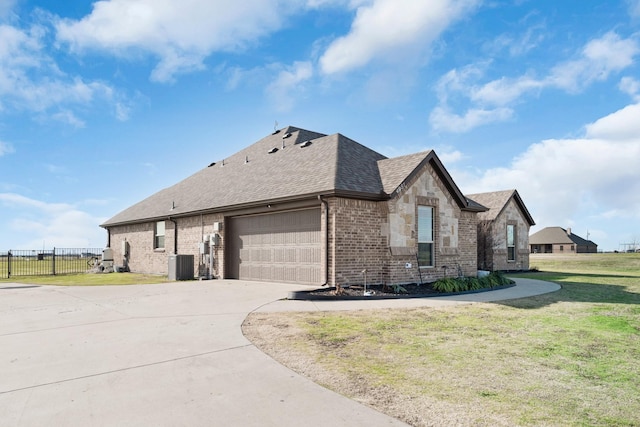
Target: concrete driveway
pixel 152 355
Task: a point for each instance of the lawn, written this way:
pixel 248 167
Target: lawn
pixel 565 358
pixel 84 279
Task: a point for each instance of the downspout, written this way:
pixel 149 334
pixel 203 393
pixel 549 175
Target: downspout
pixel 175 235
pixel 326 240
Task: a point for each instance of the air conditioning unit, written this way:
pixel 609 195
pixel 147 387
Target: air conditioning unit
pixel 181 267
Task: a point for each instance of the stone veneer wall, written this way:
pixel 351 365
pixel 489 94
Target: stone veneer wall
pixel 381 237
pixel 145 259
pixel 454 232
pixel 510 215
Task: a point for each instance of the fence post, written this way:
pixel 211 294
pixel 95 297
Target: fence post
pixel 9 264
pixel 53 261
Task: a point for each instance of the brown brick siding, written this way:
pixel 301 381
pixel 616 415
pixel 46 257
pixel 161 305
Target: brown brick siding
pixel 143 258
pixel 361 235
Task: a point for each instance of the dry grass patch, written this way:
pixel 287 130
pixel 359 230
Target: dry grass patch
pixel 566 358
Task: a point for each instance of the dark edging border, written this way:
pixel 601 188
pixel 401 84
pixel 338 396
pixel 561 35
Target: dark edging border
pixel 308 296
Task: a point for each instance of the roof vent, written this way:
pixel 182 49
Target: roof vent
pixel 273 150
pixel 246 159
pixel 286 135
pixel 211 164
pixel 276 131
pixel 305 144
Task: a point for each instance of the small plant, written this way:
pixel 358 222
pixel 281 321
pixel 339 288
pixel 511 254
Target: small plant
pixel 398 289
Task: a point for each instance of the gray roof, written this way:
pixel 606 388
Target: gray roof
pixel 557 235
pixel 330 164
pixel 497 201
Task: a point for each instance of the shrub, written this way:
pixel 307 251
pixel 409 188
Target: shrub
pixel 462 284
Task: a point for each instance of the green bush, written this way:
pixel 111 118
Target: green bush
pixel 462 284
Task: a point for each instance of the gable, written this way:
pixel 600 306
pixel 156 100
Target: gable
pixel 497 202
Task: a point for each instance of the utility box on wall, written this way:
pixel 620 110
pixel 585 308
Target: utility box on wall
pixel 181 267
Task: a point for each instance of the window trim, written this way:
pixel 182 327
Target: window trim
pixel 157 245
pixel 432 260
pixel 511 247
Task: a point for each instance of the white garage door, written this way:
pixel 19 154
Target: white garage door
pixel 279 247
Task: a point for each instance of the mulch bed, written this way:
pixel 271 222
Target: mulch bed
pixel 413 290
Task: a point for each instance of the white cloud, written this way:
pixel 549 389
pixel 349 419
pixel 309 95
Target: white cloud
pixel 442 119
pixel 5 148
pixel 180 34
pixel 283 91
pixel 57 224
pixel 505 91
pixel 600 58
pixel 560 179
pixel 391 29
pixel 31 80
pixel 597 61
pixel 630 86
pixel 66 116
pixel 623 125
pixel 450 157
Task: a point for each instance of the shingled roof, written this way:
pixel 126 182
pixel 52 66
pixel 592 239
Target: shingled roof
pixel 558 235
pixel 289 164
pixel 497 201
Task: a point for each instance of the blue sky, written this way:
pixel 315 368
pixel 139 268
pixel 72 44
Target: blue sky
pixel 104 103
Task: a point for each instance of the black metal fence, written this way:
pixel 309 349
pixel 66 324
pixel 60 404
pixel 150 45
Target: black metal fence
pixel 47 262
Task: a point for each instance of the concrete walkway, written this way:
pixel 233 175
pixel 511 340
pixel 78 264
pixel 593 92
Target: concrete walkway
pixel 166 355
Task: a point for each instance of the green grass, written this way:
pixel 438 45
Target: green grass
pixel 83 279
pixel 564 358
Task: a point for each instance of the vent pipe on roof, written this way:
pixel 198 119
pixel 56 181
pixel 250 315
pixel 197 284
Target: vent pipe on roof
pixel 246 159
pixel 569 231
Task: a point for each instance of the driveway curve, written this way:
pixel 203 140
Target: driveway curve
pixel 163 355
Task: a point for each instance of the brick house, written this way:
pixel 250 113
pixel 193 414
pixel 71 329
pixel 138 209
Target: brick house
pixel 503 231
pixel 304 207
pixel 557 240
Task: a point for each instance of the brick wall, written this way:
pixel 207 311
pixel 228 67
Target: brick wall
pixel 356 242
pixel 143 258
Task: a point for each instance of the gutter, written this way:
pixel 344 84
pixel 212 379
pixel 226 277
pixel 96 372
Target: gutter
pixel 326 239
pixel 175 235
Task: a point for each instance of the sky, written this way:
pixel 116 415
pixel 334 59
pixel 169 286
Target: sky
pixel 103 103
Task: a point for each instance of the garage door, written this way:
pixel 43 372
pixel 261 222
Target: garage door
pixel 280 247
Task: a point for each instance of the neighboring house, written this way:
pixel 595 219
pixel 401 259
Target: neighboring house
pixel 557 240
pixel 304 207
pixel 503 231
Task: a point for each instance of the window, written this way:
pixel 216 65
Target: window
pixel 158 241
pixel 425 236
pixel 511 242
